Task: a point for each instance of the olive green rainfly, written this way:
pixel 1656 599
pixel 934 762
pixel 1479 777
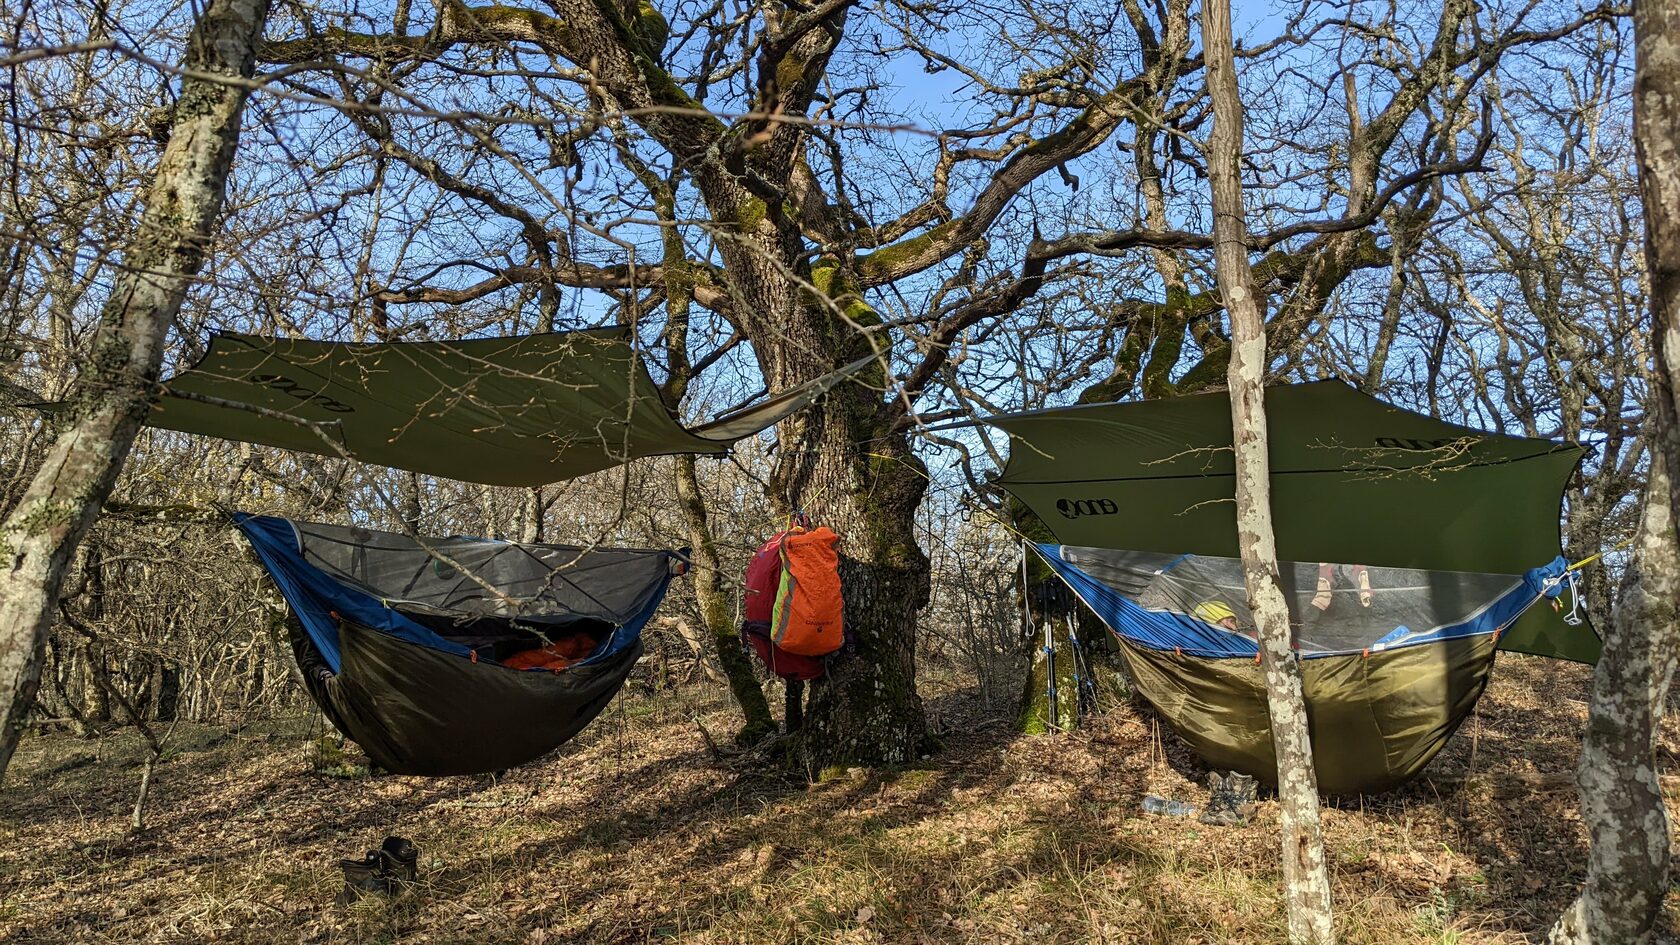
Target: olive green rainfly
pixel 518 411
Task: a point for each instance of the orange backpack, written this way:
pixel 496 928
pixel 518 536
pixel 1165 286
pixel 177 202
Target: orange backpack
pixel 809 615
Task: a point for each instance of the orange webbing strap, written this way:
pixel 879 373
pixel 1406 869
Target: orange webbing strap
pixel 475 654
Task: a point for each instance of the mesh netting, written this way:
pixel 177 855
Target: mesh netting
pixel 1333 607
pixel 473 577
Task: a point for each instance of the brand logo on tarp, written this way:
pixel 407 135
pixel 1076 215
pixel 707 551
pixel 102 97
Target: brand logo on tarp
pixel 286 385
pixel 1074 508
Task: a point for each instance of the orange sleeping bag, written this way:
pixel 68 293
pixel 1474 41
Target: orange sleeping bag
pixel 555 656
pixel 809 617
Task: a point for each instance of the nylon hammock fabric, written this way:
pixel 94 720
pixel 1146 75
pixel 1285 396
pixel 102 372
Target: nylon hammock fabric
pixel 413 648
pixel 1165 601
pixel 1353 480
pixel 1391 664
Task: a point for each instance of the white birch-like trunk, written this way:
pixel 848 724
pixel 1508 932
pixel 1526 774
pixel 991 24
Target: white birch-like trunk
pixel 110 398
pixel 1621 799
pixel 1306 880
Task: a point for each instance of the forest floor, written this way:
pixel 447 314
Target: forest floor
pixel 638 831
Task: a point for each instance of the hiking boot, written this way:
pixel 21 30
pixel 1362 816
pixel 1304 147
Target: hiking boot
pixel 400 860
pixel 1245 791
pixel 1230 799
pixel 363 877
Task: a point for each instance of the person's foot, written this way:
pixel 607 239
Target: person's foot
pixel 1321 600
pixel 1365 588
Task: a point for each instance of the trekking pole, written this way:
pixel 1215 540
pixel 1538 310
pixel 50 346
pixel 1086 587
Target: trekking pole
pixel 1087 678
pixel 1084 686
pixel 1078 685
pixel 1050 674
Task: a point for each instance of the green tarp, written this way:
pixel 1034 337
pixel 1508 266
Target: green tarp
pixel 1354 480
pixel 518 411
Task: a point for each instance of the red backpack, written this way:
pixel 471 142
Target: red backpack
pixel 794 584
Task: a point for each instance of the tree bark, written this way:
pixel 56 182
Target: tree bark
pixel 111 395
pixel 1656 120
pixel 847 463
pixel 715 610
pixel 531 516
pixel 1306 881
pixel 1621 800
pixel 862 480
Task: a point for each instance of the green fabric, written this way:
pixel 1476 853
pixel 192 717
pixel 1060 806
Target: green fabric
pixel 1354 480
pixel 1376 721
pixel 416 710
pixel 517 411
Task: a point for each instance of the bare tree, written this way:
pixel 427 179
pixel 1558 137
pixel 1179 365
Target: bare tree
pixel 1621 799
pixel 1305 878
pixel 110 399
pixel 742 170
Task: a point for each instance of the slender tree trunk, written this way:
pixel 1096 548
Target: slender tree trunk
pixel 531 516
pixel 1656 118
pixel 408 505
pixel 1306 882
pixel 793 706
pixel 715 609
pixel 1621 800
pixel 111 395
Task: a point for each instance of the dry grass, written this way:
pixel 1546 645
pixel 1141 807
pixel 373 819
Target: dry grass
pixel 634 832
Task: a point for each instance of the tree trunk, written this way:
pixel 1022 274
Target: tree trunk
pixel 1656 119
pixel 168 692
pixel 1621 800
pixel 111 395
pixel 531 516
pixel 96 707
pixel 793 706
pixel 408 504
pixel 865 483
pixel 715 610
pixel 848 463
pixel 1048 706
pixel 1306 881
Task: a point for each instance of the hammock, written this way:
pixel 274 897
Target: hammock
pixel 405 644
pixel 1452 528
pixel 1393 659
